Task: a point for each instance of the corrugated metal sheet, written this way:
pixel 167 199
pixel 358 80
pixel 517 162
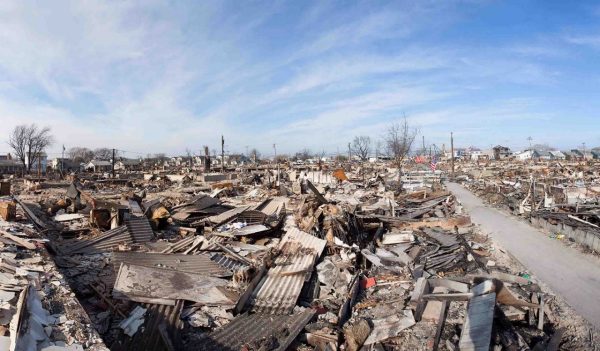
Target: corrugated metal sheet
pixel 135 208
pixel 279 290
pixel 101 243
pixel 140 229
pixel 251 229
pixel 148 337
pixel 254 329
pixel 251 217
pixel 200 264
pixel 304 240
pixel 273 207
pixel 227 262
pixel 226 216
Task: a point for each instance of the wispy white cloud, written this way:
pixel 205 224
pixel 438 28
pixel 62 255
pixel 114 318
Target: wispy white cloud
pixel 154 76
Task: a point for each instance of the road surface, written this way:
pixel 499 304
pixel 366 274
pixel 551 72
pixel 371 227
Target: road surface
pixel 570 273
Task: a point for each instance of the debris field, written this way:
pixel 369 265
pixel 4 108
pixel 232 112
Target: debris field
pixel 254 259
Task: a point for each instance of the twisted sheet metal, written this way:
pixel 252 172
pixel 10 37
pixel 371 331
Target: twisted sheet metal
pixel 279 290
pixel 148 337
pixel 101 243
pixel 140 229
pixel 273 207
pixel 226 216
pixel 254 329
pixel 227 262
pixel 200 264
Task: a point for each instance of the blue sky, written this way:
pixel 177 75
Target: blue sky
pixel 163 76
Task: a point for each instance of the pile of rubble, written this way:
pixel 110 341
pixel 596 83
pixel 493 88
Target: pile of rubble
pixel 563 199
pixel 298 259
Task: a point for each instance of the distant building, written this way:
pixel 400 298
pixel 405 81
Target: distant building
pixel 98 166
pixel 541 155
pixel 10 166
pixel 524 155
pixel 127 164
pixel 65 164
pixel 501 152
pixel 580 155
pixel 41 162
pixel 557 155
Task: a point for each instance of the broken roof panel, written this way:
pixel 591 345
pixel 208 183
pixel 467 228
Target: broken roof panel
pixel 140 229
pixel 281 286
pixel 199 264
pixel 103 242
pixel 252 329
pixel 226 216
pixel 145 284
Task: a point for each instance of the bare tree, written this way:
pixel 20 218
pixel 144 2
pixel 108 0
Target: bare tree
pixel 104 153
pixel 399 139
pixel 303 155
pixel 28 142
pixel 80 154
pixel 361 146
pixel 18 142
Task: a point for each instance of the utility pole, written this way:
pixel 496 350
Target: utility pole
pixel 424 149
pixel 206 159
pixel 62 162
pixel 452 152
pixel 349 153
pixel 113 163
pixel 277 161
pixel 222 154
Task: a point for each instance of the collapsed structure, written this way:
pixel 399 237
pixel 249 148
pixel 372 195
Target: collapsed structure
pixel 355 258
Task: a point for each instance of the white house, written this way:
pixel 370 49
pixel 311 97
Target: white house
pixel 98 166
pixel 524 155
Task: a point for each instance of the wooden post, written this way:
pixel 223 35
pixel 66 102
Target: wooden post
pixel 113 163
pixel 452 153
pixel 222 154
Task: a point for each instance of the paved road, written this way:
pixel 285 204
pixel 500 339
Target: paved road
pixel 570 273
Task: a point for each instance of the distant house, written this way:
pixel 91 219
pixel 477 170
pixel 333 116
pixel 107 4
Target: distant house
pixel 580 155
pixel 524 155
pixel 556 155
pixel 541 155
pixel 65 164
pixel 128 165
pixel 596 154
pixel 501 152
pixel 41 161
pixel 10 166
pixel 98 166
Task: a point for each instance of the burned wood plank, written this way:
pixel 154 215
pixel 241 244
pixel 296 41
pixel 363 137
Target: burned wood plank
pixel 316 192
pixel 477 329
pixel 17 240
pixel 30 214
pixel 416 299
